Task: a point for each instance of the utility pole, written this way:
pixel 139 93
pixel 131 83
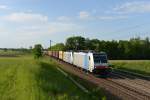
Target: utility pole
pixel 50 44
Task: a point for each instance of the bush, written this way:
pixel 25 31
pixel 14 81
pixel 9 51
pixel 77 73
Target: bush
pixel 37 51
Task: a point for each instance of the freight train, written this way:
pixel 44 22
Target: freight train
pixel 89 61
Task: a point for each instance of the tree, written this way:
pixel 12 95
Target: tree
pixel 87 44
pixel 94 44
pixel 75 43
pixel 135 48
pixel 121 49
pixel 58 47
pixel 37 51
pixel 147 48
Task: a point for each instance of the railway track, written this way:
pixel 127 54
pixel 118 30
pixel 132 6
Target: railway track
pixel 133 79
pixel 132 74
pixel 114 85
pixel 130 90
pixel 134 83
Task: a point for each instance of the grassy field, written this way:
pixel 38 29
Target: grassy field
pixel 10 53
pixel 23 78
pixel 138 66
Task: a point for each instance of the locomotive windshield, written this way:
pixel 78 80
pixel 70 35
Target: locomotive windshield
pixel 100 58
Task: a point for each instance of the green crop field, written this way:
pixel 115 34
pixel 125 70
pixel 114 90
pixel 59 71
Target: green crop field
pixel 138 66
pixel 23 78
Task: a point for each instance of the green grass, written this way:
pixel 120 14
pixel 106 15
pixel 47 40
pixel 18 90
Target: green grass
pixel 138 66
pixel 23 78
pixel 10 53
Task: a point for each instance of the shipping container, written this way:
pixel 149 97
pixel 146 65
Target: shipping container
pixel 68 57
pixel 56 54
pixel 61 55
pixel 81 60
pixel 49 53
pixel 53 53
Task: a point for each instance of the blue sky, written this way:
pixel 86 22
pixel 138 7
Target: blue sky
pixel 24 23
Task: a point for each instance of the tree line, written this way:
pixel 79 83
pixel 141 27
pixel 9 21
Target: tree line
pixel 135 48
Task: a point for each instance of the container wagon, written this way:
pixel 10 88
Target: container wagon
pixel 61 55
pixel 68 57
pixel 80 59
pixel 53 53
pixel 49 53
pixel 57 54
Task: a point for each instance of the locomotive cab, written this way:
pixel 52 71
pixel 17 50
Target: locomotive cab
pixel 98 63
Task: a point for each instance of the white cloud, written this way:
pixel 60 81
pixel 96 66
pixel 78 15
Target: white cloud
pixel 134 7
pixel 18 27
pixel 111 17
pixel 26 27
pixel 84 15
pixel 22 17
pixel 50 28
pixel 31 24
pixel 4 7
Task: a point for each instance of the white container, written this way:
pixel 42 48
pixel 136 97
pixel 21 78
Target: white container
pixel 80 59
pixel 68 57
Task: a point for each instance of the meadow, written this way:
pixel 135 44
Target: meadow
pixel 11 53
pixel 137 66
pixel 24 78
